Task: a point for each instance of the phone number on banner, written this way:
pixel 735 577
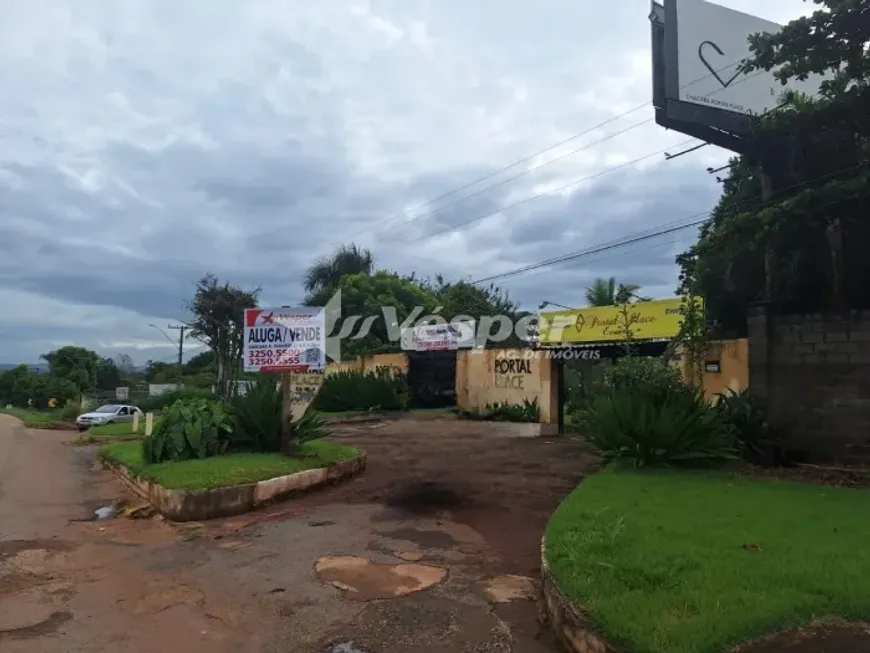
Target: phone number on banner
pixel 277 360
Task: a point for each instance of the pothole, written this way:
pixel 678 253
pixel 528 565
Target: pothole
pixel 346 647
pixel 504 589
pixel 364 580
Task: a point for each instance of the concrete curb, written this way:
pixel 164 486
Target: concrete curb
pixel 198 505
pixel 517 429
pixel 569 624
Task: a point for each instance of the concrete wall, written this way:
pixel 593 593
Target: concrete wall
pixel 732 356
pixel 499 375
pixel 814 373
pixel 371 363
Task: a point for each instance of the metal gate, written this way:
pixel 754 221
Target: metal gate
pixel 432 378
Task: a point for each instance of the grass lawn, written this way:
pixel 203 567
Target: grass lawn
pixel 38 419
pixel 118 428
pixel 231 469
pixel 668 562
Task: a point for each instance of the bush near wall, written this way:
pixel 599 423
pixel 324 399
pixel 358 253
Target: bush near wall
pixel 527 412
pixel 385 388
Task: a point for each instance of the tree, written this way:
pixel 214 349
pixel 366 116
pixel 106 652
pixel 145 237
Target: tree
pixel 126 366
pixel 323 278
pixel 218 320
pixel 606 292
pixel 77 365
pixel 366 295
pixel 108 375
pixel 16 386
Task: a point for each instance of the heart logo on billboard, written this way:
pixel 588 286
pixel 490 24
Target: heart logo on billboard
pixel 725 83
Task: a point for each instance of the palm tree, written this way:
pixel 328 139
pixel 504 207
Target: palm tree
pixel 323 277
pixel 606 292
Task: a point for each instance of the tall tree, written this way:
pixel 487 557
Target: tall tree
pixel 218 321
pixel 323 278
pixel 108 375
pixel 76 365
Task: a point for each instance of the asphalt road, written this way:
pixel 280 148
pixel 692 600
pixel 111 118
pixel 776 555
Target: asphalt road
pixel 72 585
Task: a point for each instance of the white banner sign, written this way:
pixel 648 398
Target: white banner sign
pixel 712 42
pixel 285 339
pixel 438 337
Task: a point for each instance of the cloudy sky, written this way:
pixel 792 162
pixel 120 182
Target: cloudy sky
pixel 146 142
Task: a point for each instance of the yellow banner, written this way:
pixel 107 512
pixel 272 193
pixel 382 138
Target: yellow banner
pixel 657 319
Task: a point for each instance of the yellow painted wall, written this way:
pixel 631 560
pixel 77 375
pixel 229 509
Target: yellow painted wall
pixel 370 363
pixel 499 375
pixel 733 358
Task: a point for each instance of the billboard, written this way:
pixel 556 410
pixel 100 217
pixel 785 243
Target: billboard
pixel 285 339
pixel 653 320
pixel 439 337
pixel 712 43
pixel 699 86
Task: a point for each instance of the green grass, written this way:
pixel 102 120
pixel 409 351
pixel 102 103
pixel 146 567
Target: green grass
pixel 37 419
pixel 665 562
pixel 231 469
pixel 116 429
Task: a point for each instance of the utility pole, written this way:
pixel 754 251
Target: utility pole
pixel 181 328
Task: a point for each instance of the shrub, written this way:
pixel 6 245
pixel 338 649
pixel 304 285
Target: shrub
pixel 385 388
pixel 310 426
pixel 257 417
pixel 649 377
pixel 642 429
pixel 189 428
pixel 746 418
pixel 526 412
pixel 161 401
pixel 71 410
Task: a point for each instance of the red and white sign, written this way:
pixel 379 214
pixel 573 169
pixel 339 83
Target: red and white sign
pixel 285 339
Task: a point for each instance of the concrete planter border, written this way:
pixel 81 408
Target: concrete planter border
pixel 198 505
pixel 569 624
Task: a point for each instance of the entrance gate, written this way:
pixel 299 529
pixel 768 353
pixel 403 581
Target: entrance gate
pixel 432 378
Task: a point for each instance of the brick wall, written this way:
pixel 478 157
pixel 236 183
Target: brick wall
pixel 814 373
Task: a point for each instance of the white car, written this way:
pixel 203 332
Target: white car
pixel 108 414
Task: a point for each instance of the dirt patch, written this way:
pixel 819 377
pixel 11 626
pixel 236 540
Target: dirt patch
pixel 364 580
pixel 504 589
pixel 818 474
pixel 503 488
pixel 426 539
pixel 819 638
pixel 9 548
pixel 427 497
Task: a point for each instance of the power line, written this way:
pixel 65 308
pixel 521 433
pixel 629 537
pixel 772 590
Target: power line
pixel 663 230
pixel 544 151
pixel 575 183
pixel 526 200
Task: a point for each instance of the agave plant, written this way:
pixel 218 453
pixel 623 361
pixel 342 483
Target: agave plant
pixel 682 429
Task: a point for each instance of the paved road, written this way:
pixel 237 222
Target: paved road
pixel 73 586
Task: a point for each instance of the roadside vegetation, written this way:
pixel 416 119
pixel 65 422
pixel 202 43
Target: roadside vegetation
pixel 504 411
pixel 39 419
pixel 227 469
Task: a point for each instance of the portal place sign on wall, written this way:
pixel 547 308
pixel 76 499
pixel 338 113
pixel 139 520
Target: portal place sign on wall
pixel 712 43
pixel 285 339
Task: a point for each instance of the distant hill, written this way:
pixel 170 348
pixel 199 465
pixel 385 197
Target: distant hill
pixel 39 368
